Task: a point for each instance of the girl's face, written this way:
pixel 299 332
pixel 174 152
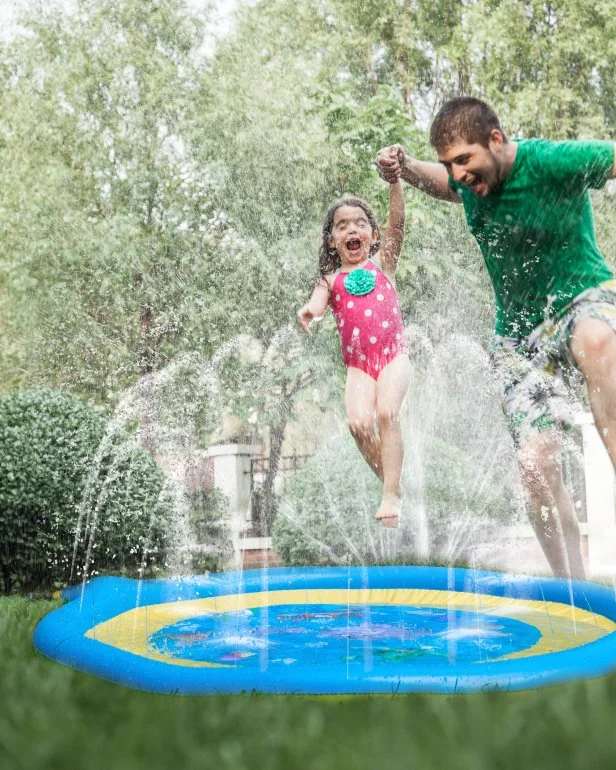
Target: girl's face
pixel 352 235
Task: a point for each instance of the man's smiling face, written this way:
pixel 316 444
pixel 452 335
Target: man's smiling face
pixel 473 165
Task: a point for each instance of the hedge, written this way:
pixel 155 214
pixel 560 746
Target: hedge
pixel 57 507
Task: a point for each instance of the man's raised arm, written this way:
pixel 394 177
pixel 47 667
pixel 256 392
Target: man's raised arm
pixel 431 178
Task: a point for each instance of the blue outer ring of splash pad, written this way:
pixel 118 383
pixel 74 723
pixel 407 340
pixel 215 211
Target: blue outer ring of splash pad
pixel 61 634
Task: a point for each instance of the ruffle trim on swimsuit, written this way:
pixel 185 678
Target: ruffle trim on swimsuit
pixel 359 282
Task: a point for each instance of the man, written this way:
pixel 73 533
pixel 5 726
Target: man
pixel 527 204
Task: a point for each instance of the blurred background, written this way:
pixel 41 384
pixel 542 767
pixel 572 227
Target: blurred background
pixel 165 170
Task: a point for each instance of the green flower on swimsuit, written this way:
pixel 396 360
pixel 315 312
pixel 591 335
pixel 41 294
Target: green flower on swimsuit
pixel 360 282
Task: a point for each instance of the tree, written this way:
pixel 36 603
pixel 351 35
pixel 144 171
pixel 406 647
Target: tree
pixel 106 219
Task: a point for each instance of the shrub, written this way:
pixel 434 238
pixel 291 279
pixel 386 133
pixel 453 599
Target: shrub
pixel 58 509
pixel 209 520
pixel 464 501
pixel 326 514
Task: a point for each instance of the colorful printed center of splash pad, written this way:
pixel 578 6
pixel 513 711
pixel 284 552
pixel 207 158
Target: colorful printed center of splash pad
pixel 335 631
pixel 326 634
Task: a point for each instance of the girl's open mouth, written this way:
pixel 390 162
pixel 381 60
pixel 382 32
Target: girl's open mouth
pixel 353 244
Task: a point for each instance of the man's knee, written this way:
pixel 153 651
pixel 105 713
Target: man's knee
pixel 539 462
pixel 592 340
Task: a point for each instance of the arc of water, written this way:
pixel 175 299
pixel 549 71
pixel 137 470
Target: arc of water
pixel 285 510
pixel 137 403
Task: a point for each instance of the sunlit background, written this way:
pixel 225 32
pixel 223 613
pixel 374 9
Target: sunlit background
pixel 166 167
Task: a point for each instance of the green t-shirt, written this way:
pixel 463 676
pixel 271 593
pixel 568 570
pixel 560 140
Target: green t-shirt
pixel 536 231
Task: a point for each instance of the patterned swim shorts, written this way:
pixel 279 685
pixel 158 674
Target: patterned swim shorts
pixel 539 379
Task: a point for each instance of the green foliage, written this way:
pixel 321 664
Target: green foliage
pixel 155 201
pixel 545 66
pixel 48 444
pixel 462 502
pixel 209 520
pixel 326 514
pixel 104 214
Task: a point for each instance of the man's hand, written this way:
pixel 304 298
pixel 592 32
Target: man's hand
pixel 394 164
pixel 389 163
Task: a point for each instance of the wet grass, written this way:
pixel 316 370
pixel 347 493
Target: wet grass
pixel 53 717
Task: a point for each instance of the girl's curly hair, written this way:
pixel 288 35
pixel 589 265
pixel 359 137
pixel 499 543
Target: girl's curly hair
pixel 329 260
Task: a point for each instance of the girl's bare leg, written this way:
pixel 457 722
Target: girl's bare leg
pixel 360 402
pixel 391 390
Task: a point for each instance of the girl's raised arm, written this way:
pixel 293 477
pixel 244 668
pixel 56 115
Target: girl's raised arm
pixel 432 178
pixel 393 237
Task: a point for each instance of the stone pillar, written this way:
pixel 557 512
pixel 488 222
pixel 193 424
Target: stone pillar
pixel 232 477
pixel 600 485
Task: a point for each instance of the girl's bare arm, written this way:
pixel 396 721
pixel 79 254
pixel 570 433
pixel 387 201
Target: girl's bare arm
pixel 316 306
pixel 393 235
pixel 431 178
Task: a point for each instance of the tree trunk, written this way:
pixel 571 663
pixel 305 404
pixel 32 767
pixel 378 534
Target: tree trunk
pixel 277 432
pixel 147 346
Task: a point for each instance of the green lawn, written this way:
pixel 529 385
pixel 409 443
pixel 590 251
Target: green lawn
pixel 53 717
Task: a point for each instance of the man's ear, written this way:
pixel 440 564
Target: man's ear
pixel 496 140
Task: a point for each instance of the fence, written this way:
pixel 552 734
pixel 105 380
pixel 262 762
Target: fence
pixel 259 466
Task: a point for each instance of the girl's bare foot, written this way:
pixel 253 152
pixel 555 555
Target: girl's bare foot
pixel 389 511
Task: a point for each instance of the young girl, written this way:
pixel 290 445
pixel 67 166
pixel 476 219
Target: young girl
pixel 357 277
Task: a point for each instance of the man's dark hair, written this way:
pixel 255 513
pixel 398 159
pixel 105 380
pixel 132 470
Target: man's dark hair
pixel 464 118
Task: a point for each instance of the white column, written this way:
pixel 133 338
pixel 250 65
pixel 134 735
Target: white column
pixel 600 485
pixel 232 477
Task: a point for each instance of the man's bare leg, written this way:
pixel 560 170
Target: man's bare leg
pixel 550 509
pixel 593 345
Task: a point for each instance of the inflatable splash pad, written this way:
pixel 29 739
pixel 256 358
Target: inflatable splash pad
pixel 335 630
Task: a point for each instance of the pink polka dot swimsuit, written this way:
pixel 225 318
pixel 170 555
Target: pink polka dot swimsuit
pixel 370 324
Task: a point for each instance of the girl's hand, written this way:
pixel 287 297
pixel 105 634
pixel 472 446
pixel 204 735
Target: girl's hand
pixel 389 163
pixel 305 316
pixel 316 306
